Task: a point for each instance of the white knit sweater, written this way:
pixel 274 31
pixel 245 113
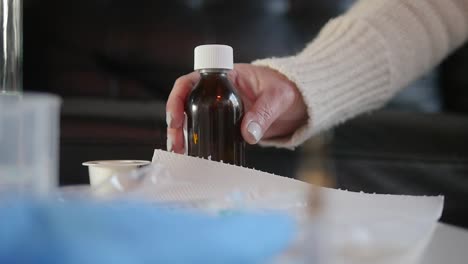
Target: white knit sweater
pixel 361 59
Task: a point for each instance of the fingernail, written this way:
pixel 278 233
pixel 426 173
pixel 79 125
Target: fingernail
pixel 255 130
pixel 168 119
pixel 169 143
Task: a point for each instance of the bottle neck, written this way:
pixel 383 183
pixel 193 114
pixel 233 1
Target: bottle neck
pixel 209 72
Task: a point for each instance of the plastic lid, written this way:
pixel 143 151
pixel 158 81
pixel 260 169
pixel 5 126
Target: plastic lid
pixel 213 57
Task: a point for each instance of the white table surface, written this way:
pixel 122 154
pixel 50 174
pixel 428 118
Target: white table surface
pixel 448 246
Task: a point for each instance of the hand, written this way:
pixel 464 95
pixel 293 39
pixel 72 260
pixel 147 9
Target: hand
pixel 273 105
pixel 121 232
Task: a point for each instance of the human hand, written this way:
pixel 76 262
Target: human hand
pixel 273 105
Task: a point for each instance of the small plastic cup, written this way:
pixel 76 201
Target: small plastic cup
pixel 101 170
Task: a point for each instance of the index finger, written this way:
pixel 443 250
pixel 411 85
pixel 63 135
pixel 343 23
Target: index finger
pixel 175 103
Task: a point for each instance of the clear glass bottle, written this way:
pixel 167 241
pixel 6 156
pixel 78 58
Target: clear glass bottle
pixel 214 109
pixel 11 47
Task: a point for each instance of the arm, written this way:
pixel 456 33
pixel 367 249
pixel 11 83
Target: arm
pixel 361 59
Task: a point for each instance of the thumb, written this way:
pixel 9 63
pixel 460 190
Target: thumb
pixel 269 106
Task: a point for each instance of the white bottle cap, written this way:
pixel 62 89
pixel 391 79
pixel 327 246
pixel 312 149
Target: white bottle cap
pixel 213 57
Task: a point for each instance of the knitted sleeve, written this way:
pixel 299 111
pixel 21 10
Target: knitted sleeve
pixel 361 59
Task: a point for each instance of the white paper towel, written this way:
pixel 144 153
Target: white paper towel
pixel 358 227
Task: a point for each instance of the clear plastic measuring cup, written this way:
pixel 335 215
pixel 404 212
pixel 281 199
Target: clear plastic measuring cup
pixel 29 138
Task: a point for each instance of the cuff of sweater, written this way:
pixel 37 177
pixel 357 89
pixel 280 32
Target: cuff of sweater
pixel 343 72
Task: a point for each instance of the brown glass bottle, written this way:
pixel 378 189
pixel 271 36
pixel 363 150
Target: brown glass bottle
pixel 214 113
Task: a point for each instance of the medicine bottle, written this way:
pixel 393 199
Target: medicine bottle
pixel 214 109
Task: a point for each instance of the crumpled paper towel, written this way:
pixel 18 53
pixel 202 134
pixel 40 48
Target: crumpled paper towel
pixel 356 227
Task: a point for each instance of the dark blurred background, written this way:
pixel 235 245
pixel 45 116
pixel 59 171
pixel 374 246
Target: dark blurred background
pixel 114 62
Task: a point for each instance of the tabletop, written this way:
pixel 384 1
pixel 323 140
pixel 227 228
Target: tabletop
pixel 448 245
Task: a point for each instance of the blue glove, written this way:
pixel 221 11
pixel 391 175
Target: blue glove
pixel 132 233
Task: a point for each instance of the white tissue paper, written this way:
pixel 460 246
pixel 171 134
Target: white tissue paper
pixel 354 227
